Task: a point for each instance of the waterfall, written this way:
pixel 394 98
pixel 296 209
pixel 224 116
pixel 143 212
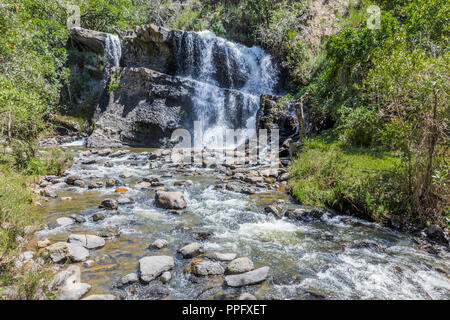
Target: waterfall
pixel 113 52
pixel 229 79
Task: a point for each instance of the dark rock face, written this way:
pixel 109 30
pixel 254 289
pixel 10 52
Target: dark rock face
pixel 150 47
pixel 274 113
pixel 143 111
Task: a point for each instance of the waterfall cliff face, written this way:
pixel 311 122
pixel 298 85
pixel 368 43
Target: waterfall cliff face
pixel 229 79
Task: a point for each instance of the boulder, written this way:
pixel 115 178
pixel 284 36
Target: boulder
pixel 206 268
pixel 221 256
pixel 62 251
pixel 109 204
pixel 239 265
pixel 191 250
pixel 129 278
pixel 277 113
pixel 435 232
pixel 248 278
pixel 159 244
pixel 88 241
pixel 170 200
pixel 153 266
pixel 166 277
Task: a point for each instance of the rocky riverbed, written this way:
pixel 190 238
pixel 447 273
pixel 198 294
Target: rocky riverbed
pixel 132 224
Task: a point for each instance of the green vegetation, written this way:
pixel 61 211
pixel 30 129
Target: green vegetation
pixel 385 89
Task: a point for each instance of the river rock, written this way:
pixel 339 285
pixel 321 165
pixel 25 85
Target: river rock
pixel 246 296
pixel 434 232
pixel 206 268
pixel 274 210
pixel 166 277
pixel 142 185
pixel 305 214
pixel 61 222
pixel 78 218
pixel 124 200
pixel 100 297
pixel 248 278
pixel 104 152
pixel 129 278
pixel 221 256
pixel 96 185
pixel 98 216
pixel 170 200
pixel 153 266
pixel 159 244
pixel 191 250
pixel 239 265
pixel 74 291
pixel 88 241
pixel 109 204
pixel 61 251
pixel 112 182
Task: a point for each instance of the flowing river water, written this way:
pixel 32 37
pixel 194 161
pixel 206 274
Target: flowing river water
pixel 333 256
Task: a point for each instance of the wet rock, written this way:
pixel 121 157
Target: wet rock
pixel 170 200
pixel 246 296
pixel 70 180
pixel 191 250
pixel 159 244
pixel 126 175
pixel 125 200
pixel 166 277
pixel 80 184
pixel 305 214
pixel 370 245
pixel 61 222
pixel 98 216
pixel 248 278
pixel 142 185
pixel 112 183
pixel 96 185
pixel 239 265
pixel 183 183
pixel 284 177
pixel 78 218
pixel 153 266
pixel 274 211
pixel 109 164
pixel 285 279
pixel 435 233
pixel 89 161
pixel 206 268
pixel 247 190
pixel 221 256
pixel 62 251
pixel 49 192
pixel 88 241
pixel 66 198
pixel 100 297
pixel 151 179
pixel 119 153
pixel 74 291
pixel 129 278
pixel 109 204
pixel 104 152
pixel 202 234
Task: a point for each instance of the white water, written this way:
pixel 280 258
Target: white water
pixel 113 52
pixel 229 79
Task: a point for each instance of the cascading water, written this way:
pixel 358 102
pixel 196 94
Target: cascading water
pixel 113 53
pixel 229 79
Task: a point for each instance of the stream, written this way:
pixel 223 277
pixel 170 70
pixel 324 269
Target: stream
pixel 328 256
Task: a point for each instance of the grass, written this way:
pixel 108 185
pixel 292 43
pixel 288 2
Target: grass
pixel 354 181
pixel 16 199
